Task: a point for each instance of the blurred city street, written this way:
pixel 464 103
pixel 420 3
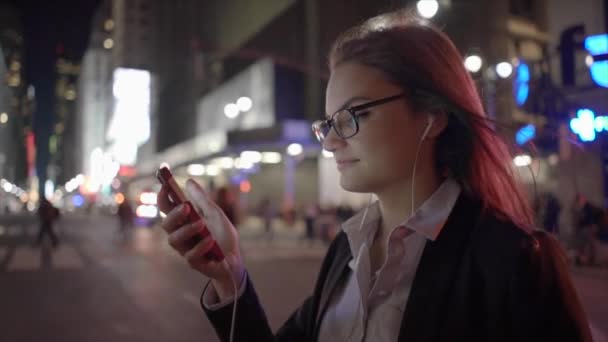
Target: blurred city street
pixel 99 286
pixel 292 116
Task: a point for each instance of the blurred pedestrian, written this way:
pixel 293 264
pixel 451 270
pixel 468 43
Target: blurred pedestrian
pixel 447 252
pixel 311 212
pixel 125 217
pixel 47 214
pixel 267 212
pixel 587 219
pixel 550 215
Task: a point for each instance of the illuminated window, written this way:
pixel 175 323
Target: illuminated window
pixel 108 43
pixel 108 25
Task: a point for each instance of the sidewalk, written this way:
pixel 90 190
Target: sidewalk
pixel 252 228
pixel 601 249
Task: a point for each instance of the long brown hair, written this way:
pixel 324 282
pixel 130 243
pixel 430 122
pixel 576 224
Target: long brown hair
pixel 424 61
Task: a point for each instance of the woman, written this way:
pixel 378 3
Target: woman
pixel 447 252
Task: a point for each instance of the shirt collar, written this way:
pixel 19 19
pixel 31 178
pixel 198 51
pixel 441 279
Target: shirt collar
pixel 428 220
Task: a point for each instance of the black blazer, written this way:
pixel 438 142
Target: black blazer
pixel 483 279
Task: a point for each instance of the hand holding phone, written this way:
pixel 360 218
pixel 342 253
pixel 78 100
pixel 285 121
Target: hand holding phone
pixel 177 196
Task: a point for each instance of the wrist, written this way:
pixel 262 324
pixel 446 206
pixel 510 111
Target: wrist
pixel 225 286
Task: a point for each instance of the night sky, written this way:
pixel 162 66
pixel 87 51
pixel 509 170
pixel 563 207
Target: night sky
pixel 51 29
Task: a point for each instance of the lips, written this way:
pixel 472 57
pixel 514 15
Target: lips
pixel 346 163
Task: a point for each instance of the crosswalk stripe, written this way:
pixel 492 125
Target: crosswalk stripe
pixel 66 257
pixel 24 259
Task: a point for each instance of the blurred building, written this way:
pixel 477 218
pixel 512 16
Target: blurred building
pixel 15 114
pixel 131 23
pixel 582 166
pixel 232 87
pixel 62 157
pixel 94 103
pixel 277 59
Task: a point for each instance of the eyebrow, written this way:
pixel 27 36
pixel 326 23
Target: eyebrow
pixel 348 103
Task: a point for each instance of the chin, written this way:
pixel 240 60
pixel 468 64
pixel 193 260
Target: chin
pixel 352 184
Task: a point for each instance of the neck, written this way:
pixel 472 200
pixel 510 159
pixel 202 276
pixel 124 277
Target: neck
pixel 396 201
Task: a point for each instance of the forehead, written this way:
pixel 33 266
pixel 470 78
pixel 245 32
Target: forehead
pixel 349 80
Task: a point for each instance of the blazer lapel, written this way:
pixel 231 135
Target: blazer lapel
pixel 438 265
pixel 336 272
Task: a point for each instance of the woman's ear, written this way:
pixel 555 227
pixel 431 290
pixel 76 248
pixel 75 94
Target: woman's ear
pixel 439 121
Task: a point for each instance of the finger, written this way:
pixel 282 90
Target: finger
pixel 197 254
pixel 217 223
pixel 177 217
pixel 162 199
pixel 186 237
pixel 200 197
pixel 180 237
pixel 202 201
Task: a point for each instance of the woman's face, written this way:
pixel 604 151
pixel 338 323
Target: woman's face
pixel 382 153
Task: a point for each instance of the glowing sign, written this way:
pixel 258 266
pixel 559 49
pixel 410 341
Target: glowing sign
pixel 78 200
pixel 130 123
pixel 525 134
pixel 521 87
pixel 597 46
pixel 586 124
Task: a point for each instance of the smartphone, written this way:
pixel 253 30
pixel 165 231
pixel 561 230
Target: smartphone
pixel 177 196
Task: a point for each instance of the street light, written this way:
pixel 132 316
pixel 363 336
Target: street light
pixel 504 69
pixel 231 111
pixel 522 160
pixel 108 43
pixel 473 63
pixel 427 8
pixel 244 104
pixel 294 149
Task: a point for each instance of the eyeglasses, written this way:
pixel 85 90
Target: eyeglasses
pixel 345 122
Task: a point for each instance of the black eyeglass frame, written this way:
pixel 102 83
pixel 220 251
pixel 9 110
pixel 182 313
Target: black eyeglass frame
pixel 316 126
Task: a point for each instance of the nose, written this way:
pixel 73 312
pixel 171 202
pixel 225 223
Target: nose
pixel 333 141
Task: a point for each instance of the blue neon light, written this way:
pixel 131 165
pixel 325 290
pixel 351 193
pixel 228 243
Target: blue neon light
pixel 521 87
pixel 525 134
pixel 78 200
pixel 598 45
pixel 584 124
pixel 601 123
pixel 599 73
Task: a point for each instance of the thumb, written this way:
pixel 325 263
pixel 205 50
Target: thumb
pixel 199 197
pixel 218 225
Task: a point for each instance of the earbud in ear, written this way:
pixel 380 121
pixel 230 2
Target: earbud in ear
pixel 430 121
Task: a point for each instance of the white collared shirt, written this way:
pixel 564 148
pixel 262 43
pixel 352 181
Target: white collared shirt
pixel 370 307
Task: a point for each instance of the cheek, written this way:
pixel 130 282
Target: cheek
pixel 390 152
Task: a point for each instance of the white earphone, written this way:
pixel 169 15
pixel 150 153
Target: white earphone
pixel 429 125
pixel 431 120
